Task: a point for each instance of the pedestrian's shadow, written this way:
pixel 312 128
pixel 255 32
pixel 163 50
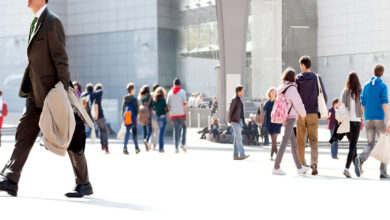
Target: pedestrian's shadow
pixel 94 202
pixel 325 177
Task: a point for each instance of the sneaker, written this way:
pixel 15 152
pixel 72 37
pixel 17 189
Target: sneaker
pixel 314 170
pixel 154 148
pixel 347 174
pixel 183 148
pixel 161 151
pixel 244 157
pixel 106 150
pixel 358 166
pixel 125 152
pixel 279 172
pixel 384 177
pixel 177 151
pixel 137 151
pixel 303 170
pixel 236 158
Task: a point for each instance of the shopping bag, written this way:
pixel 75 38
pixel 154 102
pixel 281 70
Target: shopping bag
pixel 122 132
pixel 322 109
pixel 381 150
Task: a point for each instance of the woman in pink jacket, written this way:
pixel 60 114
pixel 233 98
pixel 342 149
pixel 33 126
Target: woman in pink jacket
pixel 295 107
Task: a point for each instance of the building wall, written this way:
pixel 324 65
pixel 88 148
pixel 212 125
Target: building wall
pixel 353 35
pixel 267 42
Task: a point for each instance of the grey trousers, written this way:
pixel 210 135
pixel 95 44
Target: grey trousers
pixel 288 136
pixel 373 127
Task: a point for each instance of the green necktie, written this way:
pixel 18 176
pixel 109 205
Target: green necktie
pixel 32 27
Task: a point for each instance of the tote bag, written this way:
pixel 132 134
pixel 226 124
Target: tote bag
pixel 322 109
pixel 381 150
pixel 122 132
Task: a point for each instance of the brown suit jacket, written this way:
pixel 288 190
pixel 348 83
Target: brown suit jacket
pixel 48 60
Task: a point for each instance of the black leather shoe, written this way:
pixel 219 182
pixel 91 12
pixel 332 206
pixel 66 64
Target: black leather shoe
pixel 81 191
pixel 8 186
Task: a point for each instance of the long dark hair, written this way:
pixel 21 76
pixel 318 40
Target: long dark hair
pixel 145 90
pixel 353 85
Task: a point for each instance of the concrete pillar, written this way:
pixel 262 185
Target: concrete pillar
pixel 232 18
pixel 267 46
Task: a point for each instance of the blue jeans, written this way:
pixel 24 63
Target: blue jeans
pixel 162 123
pixel 335 146
pixel 237 142
pixel 148 131
pixel 133 128
pixel 180 129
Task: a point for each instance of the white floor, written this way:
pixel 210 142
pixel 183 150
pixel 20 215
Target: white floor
pixel 204 183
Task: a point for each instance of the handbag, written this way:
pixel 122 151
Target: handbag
pixel 322 109
pixel 260 115
pixel 381 150
pixel 122 132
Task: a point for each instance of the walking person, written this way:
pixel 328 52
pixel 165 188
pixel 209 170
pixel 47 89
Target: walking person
pixel 237 121
pixel 213 105
pixel 77 88
pixel 145 99
pixel 155 126
pixel 48 65
pixel 160 109
pixel 177 107
pixel 374 100
pixel 273 129
pixel 3 112
pixel 294 107
pixel 87 98
pixel 307 83
pixel 332 127
pixel 130 110
pixel 98 116
pixel 350 97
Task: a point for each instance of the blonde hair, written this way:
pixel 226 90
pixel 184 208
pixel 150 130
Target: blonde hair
pixel 269 92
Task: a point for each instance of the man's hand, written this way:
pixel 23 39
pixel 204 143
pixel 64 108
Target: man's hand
pixel 388 129
pixel 303 117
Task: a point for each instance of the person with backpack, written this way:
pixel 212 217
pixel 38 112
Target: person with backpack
pixel 160 109
pixel 332 127
pixel 350 97
pixel 253 130
pixel 374 100
pixel 286 110
pixel 237 120
pixel 98 115
pixel 144 115
pixel 155 126
pixel 129 113
pixel 308 88
pixel 87 98
pixel 3 112
pixel 177 106
pixel 272 129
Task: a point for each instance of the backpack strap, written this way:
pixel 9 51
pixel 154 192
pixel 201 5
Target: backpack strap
pixel 284 91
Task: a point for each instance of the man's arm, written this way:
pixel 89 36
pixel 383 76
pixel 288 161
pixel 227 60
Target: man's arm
pixel 56 41
pixel 231 110
pixel 96 111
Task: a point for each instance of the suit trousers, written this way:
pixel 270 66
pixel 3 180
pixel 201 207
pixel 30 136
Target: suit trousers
pixel 26 134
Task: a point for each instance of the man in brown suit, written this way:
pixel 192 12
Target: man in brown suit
pixel 48 64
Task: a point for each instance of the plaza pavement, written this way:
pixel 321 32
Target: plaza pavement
pixel 204 183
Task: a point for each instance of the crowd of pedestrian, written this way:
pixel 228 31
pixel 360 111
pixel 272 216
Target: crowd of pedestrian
pixel 299 102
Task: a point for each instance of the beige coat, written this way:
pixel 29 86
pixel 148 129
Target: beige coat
pixel 342 116
pixel 57 120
